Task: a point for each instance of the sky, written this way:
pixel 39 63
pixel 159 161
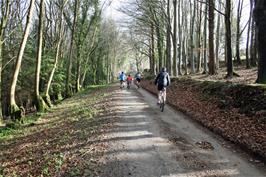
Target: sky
pixel 112 11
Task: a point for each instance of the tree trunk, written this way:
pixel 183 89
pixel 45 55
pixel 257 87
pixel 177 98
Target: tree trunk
pixel 153 49
pixel 199 9
pixel 211 38
pixel 253 45
pixel 5 9
pixel 180 34
pixel 205 62
pixel 228 39
pixel 238 35
pixel 168 40
pixel 58 46
pixel 159 45
pixel 15 111
pixel 69 67
pixel 217 46
pixel 248 35
pixel 175 40
pixel 39 102
pixel 192 21
pixel 260 19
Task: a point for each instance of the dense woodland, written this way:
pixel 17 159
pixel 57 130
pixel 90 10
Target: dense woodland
pixel 50 50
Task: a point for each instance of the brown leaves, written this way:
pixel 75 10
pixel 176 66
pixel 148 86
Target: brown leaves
pixel 58 145
pixel 188 97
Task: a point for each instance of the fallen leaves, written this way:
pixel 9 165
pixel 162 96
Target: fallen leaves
pixel 58 143
pixel 245 130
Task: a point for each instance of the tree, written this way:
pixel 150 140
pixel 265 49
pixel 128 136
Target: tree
pixel 69 66
pixel 211 38
pixel 238 32
pixel 228 39
pixel 15 111
pixel 5 10
pixel 260 19
pixel 175 73
pixel 248 35
pixel 58 45
pixel 39 102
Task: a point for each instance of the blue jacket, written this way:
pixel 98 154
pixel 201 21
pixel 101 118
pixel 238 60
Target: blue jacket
pixel 122 77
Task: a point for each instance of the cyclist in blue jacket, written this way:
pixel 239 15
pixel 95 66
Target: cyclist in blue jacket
pixel 122 78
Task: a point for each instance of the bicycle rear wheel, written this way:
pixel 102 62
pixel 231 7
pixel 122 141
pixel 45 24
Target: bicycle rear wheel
pixel 162 105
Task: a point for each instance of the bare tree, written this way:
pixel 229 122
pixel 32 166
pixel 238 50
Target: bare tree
pixel 15 111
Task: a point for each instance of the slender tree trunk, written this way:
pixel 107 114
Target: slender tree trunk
pixel 180 34
pixel 228 39
pixel 159 45
pixel 218 27
pixel 153 49
pixel 238 35
pixel 175 39
pixel 69 67
pixel 168 40
pixel 192 21
pixel 253 45
pixel 5 9
pixel 248 35
pixel 78 68
pixel 211 38
pixel 58 46
pixel 15 111
pixel 205 62
pixel 199 38
pixel 39 102
pixel 260 19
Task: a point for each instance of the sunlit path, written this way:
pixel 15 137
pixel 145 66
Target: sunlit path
pixel 145 142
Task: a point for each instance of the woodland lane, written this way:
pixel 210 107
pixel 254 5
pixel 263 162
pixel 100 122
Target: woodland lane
pixel 146 142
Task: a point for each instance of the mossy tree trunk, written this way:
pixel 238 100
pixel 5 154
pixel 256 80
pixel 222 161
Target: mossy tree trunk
pixel 14 109
pixel 40 104
pixel 5 9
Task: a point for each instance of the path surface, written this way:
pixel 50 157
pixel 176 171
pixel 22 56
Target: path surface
pixel 147 143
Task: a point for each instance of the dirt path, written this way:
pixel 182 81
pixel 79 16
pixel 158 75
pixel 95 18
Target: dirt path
pixel 146 142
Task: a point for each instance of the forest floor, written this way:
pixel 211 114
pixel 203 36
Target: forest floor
pixel 246 76
pixel 111 132
pixel 63 142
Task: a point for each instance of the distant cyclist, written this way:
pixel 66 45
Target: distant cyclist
pixel 162 81
pixel 138 79
pixel 122 78
pixel 129 81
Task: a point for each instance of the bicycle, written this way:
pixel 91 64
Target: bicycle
pixel 162 99
pixel 122 84
pixel 137 82
pixel 128 84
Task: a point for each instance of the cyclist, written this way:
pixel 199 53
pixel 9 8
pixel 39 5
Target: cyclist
pixel 129 81
pixel 122 78
pixel 138 79
pixel 162 80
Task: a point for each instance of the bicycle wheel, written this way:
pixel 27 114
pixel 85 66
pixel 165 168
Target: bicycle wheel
pixel 162 105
